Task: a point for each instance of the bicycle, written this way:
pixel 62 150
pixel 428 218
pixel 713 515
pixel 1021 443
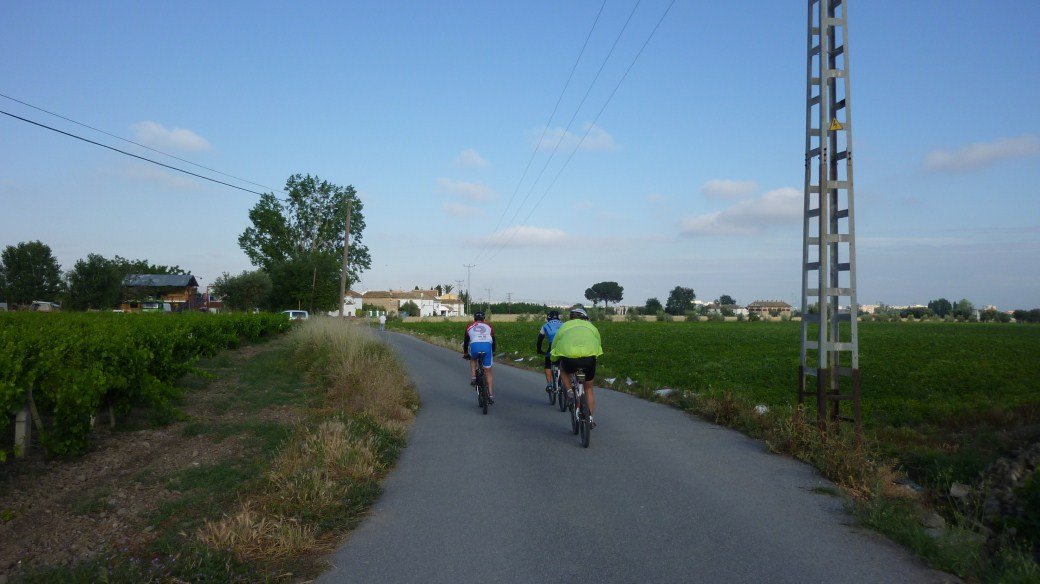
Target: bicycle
pixel 579 408
pixel 557 386
pixel 483 396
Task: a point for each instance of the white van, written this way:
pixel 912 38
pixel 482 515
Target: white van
pixel 296 314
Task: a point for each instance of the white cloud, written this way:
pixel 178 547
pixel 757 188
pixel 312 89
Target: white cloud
pixel 528 236
pixel 981 154
pixel 157 175
pixel 728 189
pixel 157 136
pixel 469 190
pixel 460 210
pixel 751 216
pixel 656 198
pixel 596 139
pixel 470 158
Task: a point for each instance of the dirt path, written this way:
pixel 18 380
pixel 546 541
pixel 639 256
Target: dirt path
pixel 63 512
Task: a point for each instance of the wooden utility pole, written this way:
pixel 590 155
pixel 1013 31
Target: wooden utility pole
pixel 343 269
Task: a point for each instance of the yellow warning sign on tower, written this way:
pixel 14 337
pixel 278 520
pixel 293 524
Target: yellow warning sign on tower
pixel 836 125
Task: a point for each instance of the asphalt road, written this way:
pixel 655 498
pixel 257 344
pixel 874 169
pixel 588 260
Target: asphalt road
pixel 659 496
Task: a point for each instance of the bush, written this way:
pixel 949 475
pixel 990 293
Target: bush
pixel 633 316
pixel 663 316
pixel 410 309
pixel 754 317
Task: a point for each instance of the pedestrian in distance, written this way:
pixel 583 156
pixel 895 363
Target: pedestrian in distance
pixel 382 322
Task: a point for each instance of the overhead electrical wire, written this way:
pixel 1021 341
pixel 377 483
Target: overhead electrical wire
pixel 135 143
pixel 563 135
pixel 501 245
pixel 551 117
pixel 567 128
pixel 130 154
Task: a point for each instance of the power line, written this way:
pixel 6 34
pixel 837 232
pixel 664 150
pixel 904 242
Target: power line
pixel 135 143
pixel 129 154
pixel 563 134
pixel 551 116
pixel 589 129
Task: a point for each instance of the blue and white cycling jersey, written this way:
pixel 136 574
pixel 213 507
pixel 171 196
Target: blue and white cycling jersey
pixel 549 329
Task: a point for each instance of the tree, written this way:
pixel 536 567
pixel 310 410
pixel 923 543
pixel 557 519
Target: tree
pixel 607 292
pixel 126 267
pixel 679 300
pixel 653 306
pixel 304 233
pixel 726 300
pixel 963 309
pixel 592 296
pixel 30 272
pixel 410 309
pixel 310 281
pixel 940 307
pixel 94 283
pixel 245 291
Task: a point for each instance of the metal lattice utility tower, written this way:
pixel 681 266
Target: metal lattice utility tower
pixel 830 339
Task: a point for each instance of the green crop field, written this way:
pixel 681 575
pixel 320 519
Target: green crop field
pixel 945 399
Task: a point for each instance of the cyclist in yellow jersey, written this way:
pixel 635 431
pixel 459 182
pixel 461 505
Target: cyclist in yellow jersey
pixel 576 346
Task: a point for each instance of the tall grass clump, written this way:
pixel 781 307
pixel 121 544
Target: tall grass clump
pixel 358 372
pixel 323 480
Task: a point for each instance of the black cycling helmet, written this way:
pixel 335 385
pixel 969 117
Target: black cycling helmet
pixel 553 315
pixel 478 315
pixel 578 312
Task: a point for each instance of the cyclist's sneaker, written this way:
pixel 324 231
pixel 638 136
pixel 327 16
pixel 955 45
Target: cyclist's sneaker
pixel 548 388
pixel 592 423
pixel 491 399
pixel 473 381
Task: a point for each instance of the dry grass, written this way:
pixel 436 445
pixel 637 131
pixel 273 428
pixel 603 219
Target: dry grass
pixel 329 466
pixel 358 371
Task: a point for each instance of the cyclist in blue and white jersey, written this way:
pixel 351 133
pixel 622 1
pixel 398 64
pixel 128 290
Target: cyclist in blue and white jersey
pixel 548 331
pixel 480 338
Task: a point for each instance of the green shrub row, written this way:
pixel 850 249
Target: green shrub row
pixel 76 363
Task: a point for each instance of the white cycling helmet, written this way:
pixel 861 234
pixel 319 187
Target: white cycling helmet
pixel 579 312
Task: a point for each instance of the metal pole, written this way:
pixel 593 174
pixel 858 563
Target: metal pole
pixel 343 269
pixel 469 284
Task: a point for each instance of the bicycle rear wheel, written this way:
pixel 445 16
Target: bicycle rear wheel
pixel 561 397
pixel 552 395
pixel 585 429
pixel 482 390
pixel 573 407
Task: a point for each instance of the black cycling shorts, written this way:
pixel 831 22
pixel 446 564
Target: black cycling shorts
pixel 588 364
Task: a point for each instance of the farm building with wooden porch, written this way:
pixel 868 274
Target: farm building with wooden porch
pixel 160 292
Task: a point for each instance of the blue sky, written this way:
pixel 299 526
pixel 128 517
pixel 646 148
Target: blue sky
pixel 691 176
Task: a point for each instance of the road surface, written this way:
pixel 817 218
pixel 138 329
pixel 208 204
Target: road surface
pixel 659 496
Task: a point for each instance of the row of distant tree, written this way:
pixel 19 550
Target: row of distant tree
pixel 296 243
pixel 29 272
pixel 962 310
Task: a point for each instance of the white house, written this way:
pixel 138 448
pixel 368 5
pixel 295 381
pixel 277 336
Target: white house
pixel 351 304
